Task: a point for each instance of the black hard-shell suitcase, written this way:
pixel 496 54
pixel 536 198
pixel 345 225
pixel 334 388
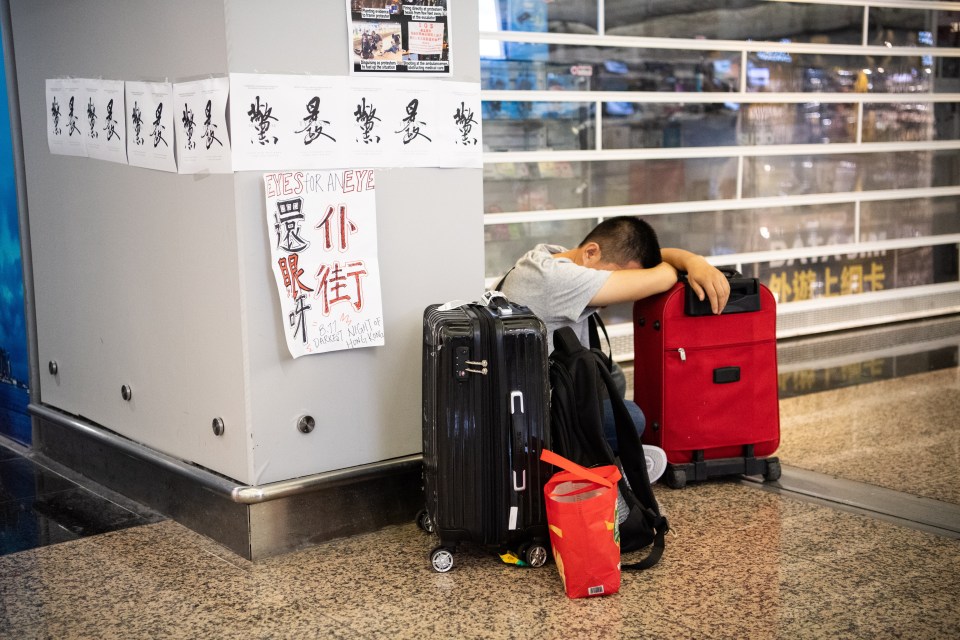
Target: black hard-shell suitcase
pixel 485 422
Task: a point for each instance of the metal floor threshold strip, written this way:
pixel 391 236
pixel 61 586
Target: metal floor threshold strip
pixel 904 509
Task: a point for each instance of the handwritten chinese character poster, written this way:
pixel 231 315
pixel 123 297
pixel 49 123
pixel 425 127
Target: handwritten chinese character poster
pixel 64 117
pixel 150 129
pixel 201 113
pixel 323 243
pixel 102 120
pixel 399 36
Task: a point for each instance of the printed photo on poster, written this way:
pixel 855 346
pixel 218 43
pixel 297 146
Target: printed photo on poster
pixel 399 36
pixel 323 230
pixel 203 144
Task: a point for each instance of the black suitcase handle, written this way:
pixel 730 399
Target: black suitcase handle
pixel 496 301
pixel 515 454
pixel 517 423
pixel 744 295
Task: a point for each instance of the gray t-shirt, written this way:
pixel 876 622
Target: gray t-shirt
pixel 556 290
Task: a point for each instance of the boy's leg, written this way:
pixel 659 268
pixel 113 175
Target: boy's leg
pixel 656 458
pixel 610 424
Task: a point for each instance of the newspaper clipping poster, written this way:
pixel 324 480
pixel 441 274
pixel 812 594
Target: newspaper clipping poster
pixel 399 36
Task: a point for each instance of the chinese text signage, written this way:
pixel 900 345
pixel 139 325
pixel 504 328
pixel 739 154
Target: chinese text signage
pixel 281 122
pixel 323 231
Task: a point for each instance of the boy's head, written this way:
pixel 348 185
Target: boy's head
pixel 626 239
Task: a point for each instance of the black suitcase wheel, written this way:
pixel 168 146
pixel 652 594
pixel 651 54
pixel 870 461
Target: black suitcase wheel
pixel 675 477
pixel 424 521
pixel 442 559
pixel 772 473
pixel 534 554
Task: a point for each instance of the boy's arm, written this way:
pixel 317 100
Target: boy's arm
pixel 705 279
pixel 627 285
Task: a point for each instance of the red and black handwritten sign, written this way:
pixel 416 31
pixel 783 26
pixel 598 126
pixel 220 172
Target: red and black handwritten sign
pixel 323 242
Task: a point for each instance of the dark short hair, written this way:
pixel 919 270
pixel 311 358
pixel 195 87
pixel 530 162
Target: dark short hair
pixel 624 239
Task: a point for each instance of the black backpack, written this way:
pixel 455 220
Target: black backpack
pixel 579 381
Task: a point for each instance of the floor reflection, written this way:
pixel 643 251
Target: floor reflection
pixel 900 434
pixel 41 506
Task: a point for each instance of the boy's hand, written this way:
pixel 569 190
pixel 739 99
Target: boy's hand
pixel 708 281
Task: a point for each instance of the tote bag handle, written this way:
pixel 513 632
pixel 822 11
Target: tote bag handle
pixel 581 472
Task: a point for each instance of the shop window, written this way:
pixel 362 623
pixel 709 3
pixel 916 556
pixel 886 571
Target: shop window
pixel 744 129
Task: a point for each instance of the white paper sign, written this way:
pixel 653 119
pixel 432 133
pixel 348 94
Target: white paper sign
pixel 64 110
pixel 202 141
pixel 104 117
pixel 387 37
pixel 151 135
pixel 323 230
pixel 412 124
pixel 288 122
pixel 319 122
pixel 459 133
pixel 426 38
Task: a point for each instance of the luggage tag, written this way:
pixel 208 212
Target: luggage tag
pixel 493 299
pixel 453 304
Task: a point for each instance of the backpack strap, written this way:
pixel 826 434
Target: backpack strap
pixel 640 499
pixel 595 327
pixel 566 341
pixel 633 462
pixel 578 392
pixel 499 286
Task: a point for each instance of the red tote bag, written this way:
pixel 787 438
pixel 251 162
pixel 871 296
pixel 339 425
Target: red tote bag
pixel 582 516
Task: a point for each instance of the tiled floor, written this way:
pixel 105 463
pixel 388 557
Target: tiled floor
pixel 901 434
pixel 741 562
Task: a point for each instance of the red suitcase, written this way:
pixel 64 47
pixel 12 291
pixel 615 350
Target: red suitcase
pixel 707 384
